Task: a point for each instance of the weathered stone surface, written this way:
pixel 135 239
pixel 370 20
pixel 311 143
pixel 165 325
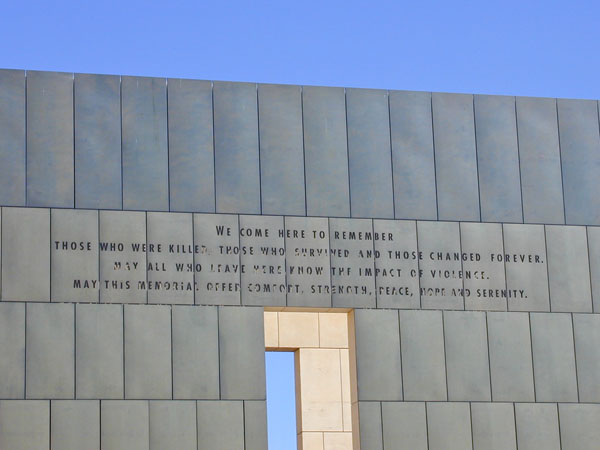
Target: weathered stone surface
pixel 220 425
pixel 449 426
pixel 172 425
pixel 125 424
pixel 404 425
pixel 12 350
pixel 579 426
pixel 24 424
pixel 537 426
pixel 75 425
pixel 493 426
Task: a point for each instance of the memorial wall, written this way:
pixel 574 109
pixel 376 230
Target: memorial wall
pixel 147 224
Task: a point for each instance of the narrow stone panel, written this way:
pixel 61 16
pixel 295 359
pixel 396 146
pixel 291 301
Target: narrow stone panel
pixel 255 425
pixel 12 350
pixel 371 436
pixel 170 256
pixel 237 165
pixel 325 151
pixel 122 257
pixel 593 236
pixel 218 263
pixel 191 152
pixel 74 256
pixel 579 426
pixel 307 261
pixel 24 424
pixel 220 425
pixel 404 425
pixel 25 254
pixel 50 153
pixel 97 106
pixel 493 426
pixel 172 425
pixel 449 426
pixel 352 263
pixel 12 130
pixel 526 267
pixel 396 264
pixel 412 155
pixel 145 154
pixel 587 336
pixel 75 425
pixel 125 424
pixel 262 261
pixel 537 426
pixel 281 149
pixel 441 265
pixel 369 153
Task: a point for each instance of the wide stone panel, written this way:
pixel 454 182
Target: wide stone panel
pixel 580 160
pixel 493 426
pixel 12 350
pixel 404 425
pixel 255 425
pixel 378 366
pixel 413 162
pixel 537 426
pixel 467 361
pixel 50 351
pixel 170 257
pixel 579 426
pixel 539 152
pixel 97 109
pixel 449 426
pixel 369 153
pixel 123 257
pixel 172 425
pixel 242 353
pixel 526 267
pixel 74 256
pixel 24 425
pixel 308 267
pixel 195 352
pixel 371 435
pixel 511 362
pixel 325 151
pixel 587 336
pixel 99 351
pixel 75 425
pixel 568 269
pixel 218 277
pixel 237 165
pixel 144 143
pixel 125 424
pixel 50 152
pixel 440 265
pixel 423 356
pixel 396 264
pixel 25 254
pixel 148 352
pixel 281 149
pixel 12 130
pixel 191 151
pixel 553 358
pixel 220 425
pixel 455 157
pixel 352 263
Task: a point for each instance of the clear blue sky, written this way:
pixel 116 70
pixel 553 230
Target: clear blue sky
pixel 538 48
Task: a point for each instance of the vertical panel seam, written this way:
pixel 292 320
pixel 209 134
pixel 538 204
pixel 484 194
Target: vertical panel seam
pixel 214 149
pixel 435 174
pixel 575 356
pixel 559 427
pixel 73 135
pixel 471 423
pixel 389 111
pixel 348 153
pixel 487 340
pixel 445 355
pixel 168 147
pixel 548 268
pixel 260 191
pixel 519 161
pixel 418 264
pixel 587 241
pixel 502 225
pixel 121 131
pixel 532 358
pixel 562 175
pixel 303 149
pixel 476 158
pixel 25 137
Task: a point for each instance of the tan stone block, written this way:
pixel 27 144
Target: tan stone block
pixel 337 441
pixel 310 441
pixel 333 330
pixel 347 416
pixel 271 329
pixel 298 330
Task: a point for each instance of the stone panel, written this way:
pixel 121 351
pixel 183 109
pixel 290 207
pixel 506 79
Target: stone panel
pixel 537 426
pixel 369 153
pixel 412 155
pixel 455 157
pixel 498 159
pixel 12 130
pixel 541 181
pixel 281 149
pixel 493 426
pixel 423 356
pixel 237 165
pixel 144 144
pixel 404 425
pixel 50 351
pixel 173 425
pixel 325 151
pixel 449 426
pixel 396 264
pixel 371 436
pixel 579 426
pixel 50 153
pixel 467 361
pixel 97 109
pixel 308 261
pixel 24 425
pixel 99 351
pixel 242 353
pixel 587 351
pixel 125 424
pixel 441 265
pixel 580 160
pixel 379 371
pixel 553 358
pixel 148 352
pixel 510 357
pixel 195 352
pixel 255 425
pixel 75 425
pixel 593 237
pixel 12 350
pixel 352 263
pixel 191 152
pixel 220 425
pixel 568 269
pixel 25 254
pixel 74 256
